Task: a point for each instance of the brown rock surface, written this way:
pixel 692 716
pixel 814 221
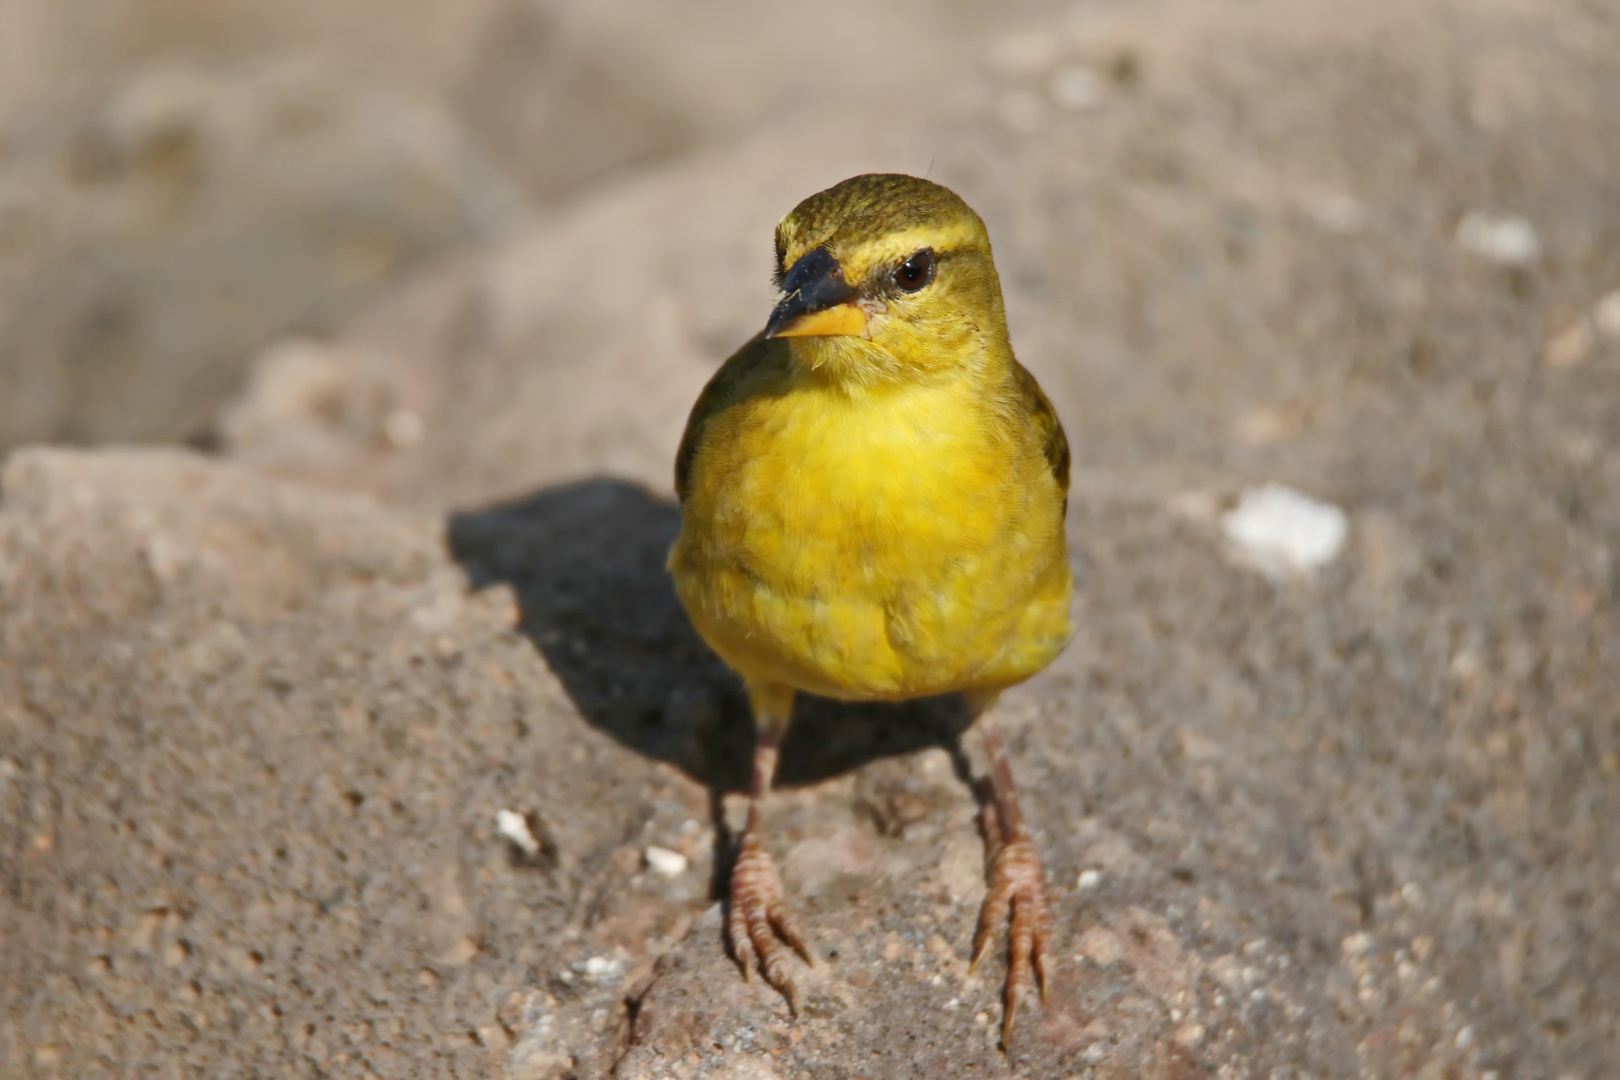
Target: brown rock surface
pixel 256 739
pixel 156 236
pixel 255 742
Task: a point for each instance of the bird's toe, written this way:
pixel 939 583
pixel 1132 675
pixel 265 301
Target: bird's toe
pixel 1017 898
pixel 760 922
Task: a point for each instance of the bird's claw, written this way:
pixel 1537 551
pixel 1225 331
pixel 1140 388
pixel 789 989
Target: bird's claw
pixel 1018 887
pixel 759 921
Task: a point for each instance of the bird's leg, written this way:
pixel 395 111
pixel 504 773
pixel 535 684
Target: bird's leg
pixel 1017 885
pixel 759 921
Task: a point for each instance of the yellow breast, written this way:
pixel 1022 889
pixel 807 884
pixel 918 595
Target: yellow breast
pixel 887 542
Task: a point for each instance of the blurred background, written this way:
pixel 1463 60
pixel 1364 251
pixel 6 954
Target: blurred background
pixel 184 184
pixel 450 250
pixel 454 252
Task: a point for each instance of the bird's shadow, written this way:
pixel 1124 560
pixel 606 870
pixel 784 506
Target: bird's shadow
pixel 586 561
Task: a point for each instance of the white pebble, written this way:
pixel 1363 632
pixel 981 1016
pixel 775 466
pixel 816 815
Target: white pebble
pixel 671 864
pixel 1090 879
pixel 515 827
pixel 1503 238
pixel 1075 86
pixel 597 966
pixel 1281 531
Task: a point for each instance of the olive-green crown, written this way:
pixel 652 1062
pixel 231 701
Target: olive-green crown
pixel 865 208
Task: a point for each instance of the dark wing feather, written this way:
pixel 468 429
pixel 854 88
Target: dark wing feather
pixel 728 385
pixel 1043 418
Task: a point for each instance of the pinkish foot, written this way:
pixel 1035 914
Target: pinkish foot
pixel 760 922
pixel 1018 886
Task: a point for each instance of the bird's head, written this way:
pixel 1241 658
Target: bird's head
pixel 886 276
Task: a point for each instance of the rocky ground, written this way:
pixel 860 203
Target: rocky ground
pixel 366 737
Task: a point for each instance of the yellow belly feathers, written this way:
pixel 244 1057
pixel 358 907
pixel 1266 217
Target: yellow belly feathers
pixel 884 543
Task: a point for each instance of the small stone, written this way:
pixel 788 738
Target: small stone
pixel 515 827
pixel 1076 87
pixel 1507 239
pixel 1280 531
pixel 1089 879
pixel 671 864
pixel 1227 971
pixel 1101 946
pixel 1190 1035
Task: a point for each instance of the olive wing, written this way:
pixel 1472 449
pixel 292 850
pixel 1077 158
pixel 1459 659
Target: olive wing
pixel 736 377
pixel 1043 418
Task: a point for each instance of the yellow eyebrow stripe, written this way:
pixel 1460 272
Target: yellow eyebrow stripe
pixel 860 260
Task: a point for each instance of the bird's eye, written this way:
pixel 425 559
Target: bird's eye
pixel 916 271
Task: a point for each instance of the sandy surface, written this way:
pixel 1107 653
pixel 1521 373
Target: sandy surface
pixel 374 742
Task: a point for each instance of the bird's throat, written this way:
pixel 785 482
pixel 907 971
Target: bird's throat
pixel 842 357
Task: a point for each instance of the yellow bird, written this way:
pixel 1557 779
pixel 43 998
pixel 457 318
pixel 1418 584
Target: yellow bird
pixel 872 509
